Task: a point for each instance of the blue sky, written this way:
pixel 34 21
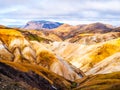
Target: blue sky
pixel 18 12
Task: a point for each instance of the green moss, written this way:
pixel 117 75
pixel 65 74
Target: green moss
pixel 73 85
pixel 34 37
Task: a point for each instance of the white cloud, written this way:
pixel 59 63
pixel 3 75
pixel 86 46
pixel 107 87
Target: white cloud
pixel 113 5
pixel 8 21
pixel 62 10
pixel 92 14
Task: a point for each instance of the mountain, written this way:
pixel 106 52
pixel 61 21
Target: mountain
pixel 97 28
pixel 66 31
pixel 91 38
pixel 37 25
pixel 91 59
pixel 60 59
pixel 19 47
pixel 30 62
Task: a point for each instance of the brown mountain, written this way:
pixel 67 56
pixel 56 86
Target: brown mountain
pixel 93 38
pixel 66 31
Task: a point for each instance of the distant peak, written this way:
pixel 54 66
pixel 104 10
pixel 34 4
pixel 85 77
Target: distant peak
pixel 42 24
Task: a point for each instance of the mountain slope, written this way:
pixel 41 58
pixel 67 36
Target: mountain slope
pixel 17 48
pixel 108 65
pixel 109 81
pixel 32 77
pixel 86 56
pixel 35 76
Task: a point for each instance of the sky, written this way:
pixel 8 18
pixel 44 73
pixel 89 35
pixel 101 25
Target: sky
pixel 19 12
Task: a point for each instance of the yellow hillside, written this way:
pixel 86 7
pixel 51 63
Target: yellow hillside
pixel 6 35
pixel 86 34
pixel 98 54
pixel 105 50
pixel 10 32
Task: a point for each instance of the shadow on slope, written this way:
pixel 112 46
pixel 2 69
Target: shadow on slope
pixel 35 76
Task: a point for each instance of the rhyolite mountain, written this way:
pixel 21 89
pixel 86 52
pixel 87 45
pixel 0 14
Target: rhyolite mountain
pixel 66 31
pixel 42 24
pixel 87 59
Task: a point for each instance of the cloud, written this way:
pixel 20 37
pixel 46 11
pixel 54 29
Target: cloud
pixel 112 5
pixel 63 10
